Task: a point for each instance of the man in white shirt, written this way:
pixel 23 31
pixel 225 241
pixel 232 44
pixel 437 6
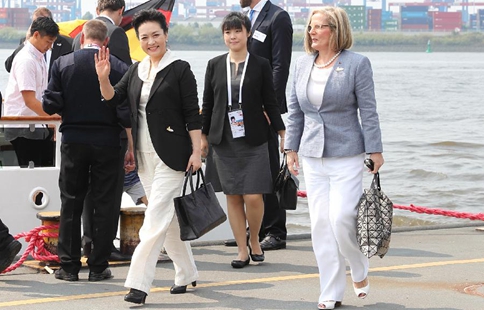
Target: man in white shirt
pixel 26 84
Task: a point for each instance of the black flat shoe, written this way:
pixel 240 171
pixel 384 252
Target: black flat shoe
pixel 61 274
pixel 182 289
pixel 135 296
pixel 240 263
pixel 256 257
pixel 99 276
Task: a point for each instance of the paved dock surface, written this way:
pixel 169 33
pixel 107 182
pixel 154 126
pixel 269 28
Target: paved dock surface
pixel 439 269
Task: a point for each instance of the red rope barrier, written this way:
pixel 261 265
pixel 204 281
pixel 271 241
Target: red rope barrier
pixel 433 211
pixel 36 248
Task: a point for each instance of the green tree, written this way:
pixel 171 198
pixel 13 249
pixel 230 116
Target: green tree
pixel 8 34
pixel 87 16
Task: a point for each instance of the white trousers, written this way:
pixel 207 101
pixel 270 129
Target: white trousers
pixel 160 227
pixel 334 187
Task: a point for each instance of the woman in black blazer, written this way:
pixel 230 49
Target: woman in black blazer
pixel 162 94
pixel 239 105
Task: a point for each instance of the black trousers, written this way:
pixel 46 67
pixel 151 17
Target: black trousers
pixel 88 213
pixel 84 165
pixel 5 237
pixel 274 221
pixel 41 152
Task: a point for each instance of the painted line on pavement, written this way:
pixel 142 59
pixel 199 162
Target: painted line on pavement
pixel 234 282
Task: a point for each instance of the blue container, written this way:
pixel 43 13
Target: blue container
pixel 415 21
pixel 413 14
pixel 418 8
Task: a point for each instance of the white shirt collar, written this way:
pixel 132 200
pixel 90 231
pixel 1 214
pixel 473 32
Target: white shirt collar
pixel 109 18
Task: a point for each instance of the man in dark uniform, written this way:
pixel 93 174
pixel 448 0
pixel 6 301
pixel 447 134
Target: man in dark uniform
pixel 89 152
pixel 111 13
pixel 61 46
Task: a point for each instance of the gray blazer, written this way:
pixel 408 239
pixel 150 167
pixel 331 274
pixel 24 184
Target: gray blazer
pixel 334 130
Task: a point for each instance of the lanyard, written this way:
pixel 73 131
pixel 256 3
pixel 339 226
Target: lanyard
pixel 229 81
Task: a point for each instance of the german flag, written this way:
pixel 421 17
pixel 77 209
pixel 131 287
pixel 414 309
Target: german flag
pixel 72 28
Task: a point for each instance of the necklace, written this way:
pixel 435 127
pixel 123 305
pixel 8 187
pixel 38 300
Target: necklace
pixel 327 63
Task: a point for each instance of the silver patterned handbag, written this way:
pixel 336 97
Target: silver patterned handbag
pixel 374 220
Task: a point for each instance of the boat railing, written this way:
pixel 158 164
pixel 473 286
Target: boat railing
pixel 37 120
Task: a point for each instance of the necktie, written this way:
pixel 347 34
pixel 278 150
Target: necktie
pixel 251 13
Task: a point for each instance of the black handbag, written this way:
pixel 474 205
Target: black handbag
pixel 285 187
pixel 198 212
pixel 374 220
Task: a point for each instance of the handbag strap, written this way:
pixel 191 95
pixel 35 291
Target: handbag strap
pixel 284 161
pixel 188 174
pixel 376 181
pixel 189 178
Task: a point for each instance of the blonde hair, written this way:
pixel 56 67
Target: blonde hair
pixel 95 30
pixel 341 37
pixel 42 11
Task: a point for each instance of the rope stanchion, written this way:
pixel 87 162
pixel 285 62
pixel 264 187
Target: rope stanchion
pixel 432 211
pixel 35 248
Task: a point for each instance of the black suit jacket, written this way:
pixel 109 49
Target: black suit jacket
pixel 172 110
pixel 257 96
pixel 118 41
pixel 276 24
pixel 62 45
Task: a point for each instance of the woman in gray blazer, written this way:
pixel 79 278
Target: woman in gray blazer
pixel 331 87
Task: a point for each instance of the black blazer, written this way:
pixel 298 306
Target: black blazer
pixel 276 24
pixel 62 45
pixel 118 41
pixel 257 96
pixel 172 110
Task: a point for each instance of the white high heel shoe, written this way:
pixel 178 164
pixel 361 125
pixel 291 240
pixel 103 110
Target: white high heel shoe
pixel 362 292
pixel 328 304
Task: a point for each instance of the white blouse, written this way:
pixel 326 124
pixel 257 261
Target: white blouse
pixel 317 84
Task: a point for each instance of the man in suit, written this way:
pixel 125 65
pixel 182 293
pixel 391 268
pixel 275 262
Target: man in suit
pixel 271 38
pixel 111 13
pixel 60 47
pixel 89 152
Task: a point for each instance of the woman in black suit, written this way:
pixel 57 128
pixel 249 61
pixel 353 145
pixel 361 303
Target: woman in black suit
pixel 162 94
pixel 239 85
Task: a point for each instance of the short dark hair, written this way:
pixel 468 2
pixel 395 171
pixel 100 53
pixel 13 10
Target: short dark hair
pixel 110 5
pixel 235 20
pixel 46 26
pixel 150 15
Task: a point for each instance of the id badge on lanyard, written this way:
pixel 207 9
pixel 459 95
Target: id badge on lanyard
pixel 236 117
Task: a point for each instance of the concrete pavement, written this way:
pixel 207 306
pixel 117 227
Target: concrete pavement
pixel 437 269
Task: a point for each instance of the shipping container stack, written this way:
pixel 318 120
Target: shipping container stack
pixel 388 23
pixel 480 19
pixel 374 19
pixel 357 16
pixel 18 18
pixel 446 21
pixel 3 17
pixel 472 22
pixel 414 18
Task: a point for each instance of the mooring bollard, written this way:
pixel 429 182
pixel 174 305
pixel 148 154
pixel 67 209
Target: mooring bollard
pixel 130 223
pixel 50 218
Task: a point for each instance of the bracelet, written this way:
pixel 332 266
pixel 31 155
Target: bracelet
pixel 290 151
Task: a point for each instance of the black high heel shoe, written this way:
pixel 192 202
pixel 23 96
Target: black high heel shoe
pixel 256 257
pixel 135 296
pixel 240 263
pixel 182 289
